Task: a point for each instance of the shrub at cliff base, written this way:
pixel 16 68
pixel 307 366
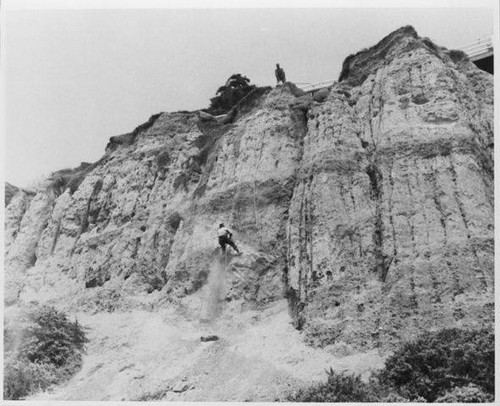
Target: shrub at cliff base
pixel 48 352
pixel 339 387
pixel 22 377
pixel 466 394
pixel 440 361
pixel 451 365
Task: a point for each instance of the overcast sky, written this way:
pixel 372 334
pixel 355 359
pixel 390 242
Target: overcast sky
pixel 74 78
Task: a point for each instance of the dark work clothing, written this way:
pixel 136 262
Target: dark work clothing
pixel 223 240
pixel 280 75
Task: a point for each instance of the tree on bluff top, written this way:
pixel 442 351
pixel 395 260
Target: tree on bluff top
pixel 227 96
pixel 235 81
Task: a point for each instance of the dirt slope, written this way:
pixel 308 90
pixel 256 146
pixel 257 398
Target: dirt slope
pixel 142 355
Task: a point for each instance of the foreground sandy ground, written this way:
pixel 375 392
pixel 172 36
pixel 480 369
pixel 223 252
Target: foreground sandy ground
pixel 142 355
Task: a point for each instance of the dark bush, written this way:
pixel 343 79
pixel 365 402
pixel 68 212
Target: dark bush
pixel 52 338
pixel 339 387
pixel 235 81
pixel 457 55
pixel 440 361
pixel 228 96
pixel 466 394
pixel 49 352
pixel 451 365
pixel 22 377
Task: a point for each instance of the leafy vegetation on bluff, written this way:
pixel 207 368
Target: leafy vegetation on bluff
pixel 228 95
pixel 46 352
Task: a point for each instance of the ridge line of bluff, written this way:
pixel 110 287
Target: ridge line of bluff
pixel 371 211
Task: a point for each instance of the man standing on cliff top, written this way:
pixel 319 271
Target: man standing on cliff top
pixel 225 237
pixel 280 74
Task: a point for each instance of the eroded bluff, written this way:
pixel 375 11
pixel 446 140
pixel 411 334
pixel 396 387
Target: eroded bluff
pixel 372 212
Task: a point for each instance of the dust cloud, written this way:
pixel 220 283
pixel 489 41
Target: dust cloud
pixel 216 287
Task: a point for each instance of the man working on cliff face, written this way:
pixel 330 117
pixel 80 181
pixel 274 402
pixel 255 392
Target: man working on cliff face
pixel 225 237
pixel 280 75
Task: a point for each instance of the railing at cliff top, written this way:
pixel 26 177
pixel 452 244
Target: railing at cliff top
pixel 312 87
pixel 479 49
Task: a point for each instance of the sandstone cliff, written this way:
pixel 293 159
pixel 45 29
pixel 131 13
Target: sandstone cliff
pixel 371 212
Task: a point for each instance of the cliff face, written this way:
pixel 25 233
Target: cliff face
pixel 372 212
pixel 391 222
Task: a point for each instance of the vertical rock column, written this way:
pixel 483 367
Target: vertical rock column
pixel 391 224
pixel 22 252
